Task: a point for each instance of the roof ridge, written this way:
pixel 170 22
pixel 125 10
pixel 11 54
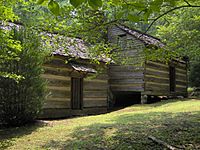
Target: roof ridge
pixel 140 32
pixel 146 38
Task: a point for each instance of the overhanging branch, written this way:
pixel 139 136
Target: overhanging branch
pixel 165 13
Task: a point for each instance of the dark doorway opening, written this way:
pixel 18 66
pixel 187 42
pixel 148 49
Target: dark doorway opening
pixel 123 99
pixel 77 93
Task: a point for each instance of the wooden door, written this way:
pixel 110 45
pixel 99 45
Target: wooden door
pixel 172 77
pixel 77 93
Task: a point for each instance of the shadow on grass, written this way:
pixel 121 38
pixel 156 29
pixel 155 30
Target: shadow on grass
pixel 8 135
pixel 131 131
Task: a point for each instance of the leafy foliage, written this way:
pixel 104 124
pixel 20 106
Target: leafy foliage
pixel 54 7
pixel 181 32
pixel 21 101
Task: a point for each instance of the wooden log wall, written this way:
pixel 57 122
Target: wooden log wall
pixel 58 87
pixel 181 78
pixel 157 79
pixel 126 78
pixel 95 91
pixel 130 75
pixel 58 101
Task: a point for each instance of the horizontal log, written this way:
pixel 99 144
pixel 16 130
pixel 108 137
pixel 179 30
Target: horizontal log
pixel 157 93
pixel 94 103
pixel 94 99
pixel 50 67
pixel 156 88
pixel 156 77
pixel 127 88
pixel 155 64
pixel 93 81
pixel 181 83
pixel 55 82
pixel 58 99
pixel 50 76
pixel 181 86
pixel 59 94
pixel 126 74
pixel 181 74
pixel 127 67
pixel 88 87
pixel 67 88
pixel 156 80
pixel 157 70
pixel 126 81
pixel 161 74
pixel 126 77
pixel 129 71
pixel 57 104
pixel 182 71
pixel 95 94
pixel 127 85
pixel 181 66
pixel 95 85
pixel 156 84
pixel 183 78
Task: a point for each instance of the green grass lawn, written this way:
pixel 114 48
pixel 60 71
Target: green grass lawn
pixel 176 122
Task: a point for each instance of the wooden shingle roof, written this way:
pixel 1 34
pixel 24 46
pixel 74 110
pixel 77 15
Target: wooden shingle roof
pixel 147 39
pixel 62 45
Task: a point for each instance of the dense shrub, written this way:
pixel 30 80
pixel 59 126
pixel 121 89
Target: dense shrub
pixel 21 100
pixel 194 75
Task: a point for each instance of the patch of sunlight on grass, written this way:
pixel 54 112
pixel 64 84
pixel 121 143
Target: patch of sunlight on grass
pixel 174 121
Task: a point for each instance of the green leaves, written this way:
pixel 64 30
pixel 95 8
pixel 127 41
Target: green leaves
pixel 95 4
pixel 40 2
pixel 76 3
pixel 54 7
pixel 132 17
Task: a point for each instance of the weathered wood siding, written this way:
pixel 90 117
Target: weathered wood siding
pixel 58 101
pixel 126 78
pixel 181 78
pixel 130 75
pixel 157 79
pixel 58 85
pixel 95 91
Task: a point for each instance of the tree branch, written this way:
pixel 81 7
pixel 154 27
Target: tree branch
pixel 187 2
pixel 165 13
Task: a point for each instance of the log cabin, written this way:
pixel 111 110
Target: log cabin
pixel 139 80
pixel 75 85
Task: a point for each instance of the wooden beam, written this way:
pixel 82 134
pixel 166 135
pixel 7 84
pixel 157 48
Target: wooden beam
pixel 50 76
pixel 67 88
